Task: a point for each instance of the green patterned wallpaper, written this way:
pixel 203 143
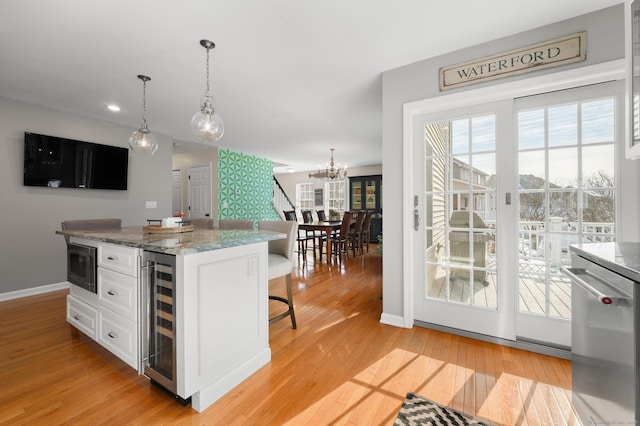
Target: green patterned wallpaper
pixel 245 187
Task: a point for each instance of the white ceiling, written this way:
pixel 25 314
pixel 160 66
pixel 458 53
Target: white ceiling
pixel 291 78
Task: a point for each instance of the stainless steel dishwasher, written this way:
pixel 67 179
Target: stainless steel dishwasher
pixel 604 342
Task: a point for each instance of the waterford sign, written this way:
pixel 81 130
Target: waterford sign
pixel 552 53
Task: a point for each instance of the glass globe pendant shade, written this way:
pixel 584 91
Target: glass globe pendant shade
pixel 143 142
pixel 206 124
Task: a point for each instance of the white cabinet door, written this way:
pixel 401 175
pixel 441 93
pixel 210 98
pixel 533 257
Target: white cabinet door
pixel 118 292
pixel 222 326
pixel 118 258
pixel 119 336
pixel 82 316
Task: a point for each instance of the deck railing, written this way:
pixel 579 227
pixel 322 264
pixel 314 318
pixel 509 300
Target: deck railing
pixel 537 242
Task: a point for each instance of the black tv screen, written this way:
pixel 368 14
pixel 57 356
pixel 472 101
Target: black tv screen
pixel 66 163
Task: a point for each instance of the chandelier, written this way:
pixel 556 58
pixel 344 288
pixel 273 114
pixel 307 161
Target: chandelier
pixel 331 171
pixel 206 124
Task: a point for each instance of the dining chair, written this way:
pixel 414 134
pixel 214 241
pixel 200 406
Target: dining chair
pixel 307 217
pixel 366 230
pixel 301 238
pixel 340 240
pixel 355 233
pixel 281 262
pixel 290 215
pixel 322 216
pixel 225 224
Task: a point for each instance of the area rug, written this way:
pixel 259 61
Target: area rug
pixel 418 411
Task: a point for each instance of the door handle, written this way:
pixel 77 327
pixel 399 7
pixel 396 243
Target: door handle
pixel 416 219
pixel 605 299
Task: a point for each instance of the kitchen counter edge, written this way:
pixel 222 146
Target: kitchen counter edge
pixel 196 241
pixel 622 258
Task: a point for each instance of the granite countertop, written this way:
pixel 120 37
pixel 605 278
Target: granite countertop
pixel 622 258
pixel 196 241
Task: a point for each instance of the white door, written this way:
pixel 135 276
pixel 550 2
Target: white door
pixel 567 194
pixel 462 244
pixel 200 191
pixel 176 191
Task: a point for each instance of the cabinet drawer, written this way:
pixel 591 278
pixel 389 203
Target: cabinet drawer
pixel 118 258
pixel 82 316
pixel 118 292
pixel 119 336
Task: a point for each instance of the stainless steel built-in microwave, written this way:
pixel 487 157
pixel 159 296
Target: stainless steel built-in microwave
pixel 81 266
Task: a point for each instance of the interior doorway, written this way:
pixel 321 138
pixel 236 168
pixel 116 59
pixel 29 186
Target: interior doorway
pixel 200 191
pixel 176 191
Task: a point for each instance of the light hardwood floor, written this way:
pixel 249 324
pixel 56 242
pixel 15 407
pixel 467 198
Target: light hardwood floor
pixel 341 366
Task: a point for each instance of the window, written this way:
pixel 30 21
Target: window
pixel 335 196
pixel 304 196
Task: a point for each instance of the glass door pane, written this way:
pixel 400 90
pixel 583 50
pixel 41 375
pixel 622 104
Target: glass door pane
pixel 370 195
pixel 461 265
pixel 566 152
pixel 356 195
pixel 161 319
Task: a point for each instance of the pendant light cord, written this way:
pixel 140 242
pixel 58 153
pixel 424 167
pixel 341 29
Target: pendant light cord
pixel 207 92
pixel 144 103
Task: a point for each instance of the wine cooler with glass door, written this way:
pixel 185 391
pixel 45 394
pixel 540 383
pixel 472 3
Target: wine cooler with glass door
pixel 160 318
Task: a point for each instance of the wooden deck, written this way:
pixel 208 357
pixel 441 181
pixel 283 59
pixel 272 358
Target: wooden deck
pixel 483 292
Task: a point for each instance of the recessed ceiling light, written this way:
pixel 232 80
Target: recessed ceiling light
pixel 291 170
pixel 114 108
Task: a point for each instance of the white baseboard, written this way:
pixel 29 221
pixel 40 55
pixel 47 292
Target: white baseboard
pixel 394 320
pixel 33 291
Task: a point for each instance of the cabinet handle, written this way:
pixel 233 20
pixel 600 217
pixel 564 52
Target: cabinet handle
pixel 77 317
pixel 112 293
pixel 112 257
pixel 112 334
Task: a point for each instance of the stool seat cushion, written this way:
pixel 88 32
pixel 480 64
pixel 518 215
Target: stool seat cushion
pixel 279 266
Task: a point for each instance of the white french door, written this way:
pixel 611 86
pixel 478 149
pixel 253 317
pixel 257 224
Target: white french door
pixel 567 194
pixel 462 244
pixel 501 190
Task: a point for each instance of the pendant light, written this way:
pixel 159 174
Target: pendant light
pixel 142 141
pixel 206 124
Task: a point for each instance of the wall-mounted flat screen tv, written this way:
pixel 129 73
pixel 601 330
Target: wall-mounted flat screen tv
pixel 66 163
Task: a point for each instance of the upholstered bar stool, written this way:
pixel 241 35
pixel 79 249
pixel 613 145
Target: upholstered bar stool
pixel 201 222
pixel 281 261
pixel 235 224
pixel 91 225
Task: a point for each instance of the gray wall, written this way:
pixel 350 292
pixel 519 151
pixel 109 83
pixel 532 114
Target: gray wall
pixel 31 254
pixel 418 81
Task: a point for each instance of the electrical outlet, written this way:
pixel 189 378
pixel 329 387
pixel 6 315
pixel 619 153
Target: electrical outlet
pixel 152 204
pixel 252 266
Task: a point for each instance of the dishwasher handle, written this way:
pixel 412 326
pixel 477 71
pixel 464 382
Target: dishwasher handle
pixel 605 299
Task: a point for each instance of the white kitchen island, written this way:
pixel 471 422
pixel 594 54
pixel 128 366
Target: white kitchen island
pixel 218 317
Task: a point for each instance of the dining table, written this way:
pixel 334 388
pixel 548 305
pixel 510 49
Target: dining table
pixel 326 227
